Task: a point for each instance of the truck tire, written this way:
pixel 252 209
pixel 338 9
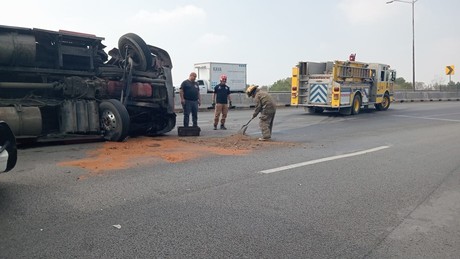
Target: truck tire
pixel 134 46
pixel 385 104
pixel 356 105
pixel 168 124
pixel 315 110
pixel 345 111
pixel 114 119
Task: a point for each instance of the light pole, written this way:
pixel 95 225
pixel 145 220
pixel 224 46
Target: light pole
pixel 413 37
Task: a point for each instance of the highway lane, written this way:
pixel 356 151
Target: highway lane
pixel 380 184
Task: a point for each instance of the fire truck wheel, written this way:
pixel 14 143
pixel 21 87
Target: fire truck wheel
pixel 114 120
pixel 385 104
pixel 356 105
pixel 345 111
pixel 134 46
pixel 315 110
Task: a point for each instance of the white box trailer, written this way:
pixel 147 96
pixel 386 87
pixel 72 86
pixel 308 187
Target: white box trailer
pixel 208 75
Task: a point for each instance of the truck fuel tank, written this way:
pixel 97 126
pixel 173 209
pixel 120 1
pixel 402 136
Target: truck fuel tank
pixel 24 121
pixel 17 49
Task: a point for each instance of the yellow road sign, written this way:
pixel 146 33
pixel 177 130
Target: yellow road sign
pixel 450 70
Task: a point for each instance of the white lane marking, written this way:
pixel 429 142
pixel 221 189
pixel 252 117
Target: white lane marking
pixel 444 114
pixel 282 168
pixel 426 118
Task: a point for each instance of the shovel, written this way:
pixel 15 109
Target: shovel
pixel 245 127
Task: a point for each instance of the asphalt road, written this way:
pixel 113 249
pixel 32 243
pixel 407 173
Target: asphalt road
pixel 377 185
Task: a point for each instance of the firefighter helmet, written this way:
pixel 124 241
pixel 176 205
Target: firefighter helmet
pixel 223 78
pixel 251 90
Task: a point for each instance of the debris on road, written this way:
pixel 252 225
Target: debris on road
pixel 148 150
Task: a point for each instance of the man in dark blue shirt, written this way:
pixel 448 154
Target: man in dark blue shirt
pixel 220 100
pixel 190 99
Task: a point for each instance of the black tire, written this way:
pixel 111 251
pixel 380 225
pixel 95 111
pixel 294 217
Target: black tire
pixel 384 105
pixel 345 111
pixel 168 124
pixel 356 105
pixel 315 110
pixel 134 46
pixel 114 120
pixel 8 142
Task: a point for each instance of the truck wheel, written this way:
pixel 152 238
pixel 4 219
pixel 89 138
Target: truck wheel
pixel 385 104
pixel 345 111
pixel 114 120
pixel 134 46
pixel 316 110
pixel 167 124
pixel 356 105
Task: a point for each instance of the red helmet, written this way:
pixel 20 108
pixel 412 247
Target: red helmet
pixel 223 78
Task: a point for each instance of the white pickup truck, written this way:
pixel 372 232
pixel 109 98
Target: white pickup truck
pixel 8 149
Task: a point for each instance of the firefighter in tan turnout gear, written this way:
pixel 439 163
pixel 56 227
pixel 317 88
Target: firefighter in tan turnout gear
pixel 267 109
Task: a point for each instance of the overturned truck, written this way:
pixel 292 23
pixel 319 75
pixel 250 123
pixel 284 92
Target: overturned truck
pixel 60 84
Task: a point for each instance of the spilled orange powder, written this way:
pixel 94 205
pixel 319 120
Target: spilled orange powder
pixel 148 150
pixel 144 150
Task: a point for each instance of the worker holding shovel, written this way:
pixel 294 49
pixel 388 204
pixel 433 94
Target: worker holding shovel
pixel 266 107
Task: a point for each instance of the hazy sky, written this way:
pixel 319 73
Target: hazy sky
pixel 269 36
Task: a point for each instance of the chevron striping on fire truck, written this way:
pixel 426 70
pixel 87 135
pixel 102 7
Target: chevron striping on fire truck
pixel 343 86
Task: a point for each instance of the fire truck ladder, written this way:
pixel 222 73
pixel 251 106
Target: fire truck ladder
pixel 356 72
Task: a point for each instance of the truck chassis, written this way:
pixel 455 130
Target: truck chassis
pixel 59 84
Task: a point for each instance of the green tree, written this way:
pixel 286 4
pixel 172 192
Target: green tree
pixel 451 86
pixel 281 85
pixel 264 87
pixel 401 84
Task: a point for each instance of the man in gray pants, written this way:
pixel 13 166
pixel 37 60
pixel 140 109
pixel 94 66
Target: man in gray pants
pixel 190 99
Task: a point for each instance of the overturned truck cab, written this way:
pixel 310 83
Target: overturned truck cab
pixel 59 84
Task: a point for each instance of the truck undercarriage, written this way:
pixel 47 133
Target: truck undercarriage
pixel 58 84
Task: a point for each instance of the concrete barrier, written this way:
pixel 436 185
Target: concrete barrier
pixel 426 96
pixel 241 101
